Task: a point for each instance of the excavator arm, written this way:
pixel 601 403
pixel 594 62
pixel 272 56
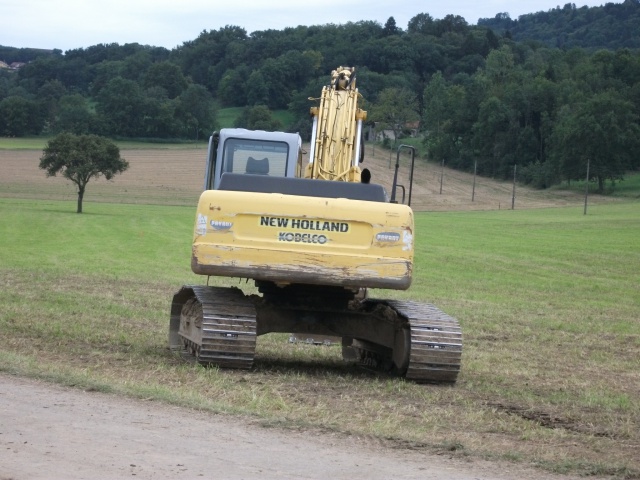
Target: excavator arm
pixel 336 145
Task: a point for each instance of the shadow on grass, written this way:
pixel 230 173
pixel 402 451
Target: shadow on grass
pixel 315 368
pixel 266 366
pixel 72 212
pixel 263 366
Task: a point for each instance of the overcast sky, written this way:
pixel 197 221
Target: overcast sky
pixel 69 24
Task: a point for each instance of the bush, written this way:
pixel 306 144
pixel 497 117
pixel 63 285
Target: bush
pixel 538 175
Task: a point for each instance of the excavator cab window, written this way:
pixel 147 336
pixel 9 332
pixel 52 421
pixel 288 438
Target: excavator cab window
pixel 254 152
pixel 257 157
pixel 212 152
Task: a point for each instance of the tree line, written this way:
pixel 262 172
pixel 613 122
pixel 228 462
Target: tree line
pixel 545 110
pixel 611 26
pixel 483 97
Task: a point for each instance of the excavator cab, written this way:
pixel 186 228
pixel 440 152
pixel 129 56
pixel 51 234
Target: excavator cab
pixel 236 150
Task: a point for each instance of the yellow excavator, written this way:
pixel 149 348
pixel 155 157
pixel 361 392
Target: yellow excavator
pixel 313 238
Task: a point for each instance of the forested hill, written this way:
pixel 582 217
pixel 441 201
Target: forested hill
pixel 479 98
pixel 612 26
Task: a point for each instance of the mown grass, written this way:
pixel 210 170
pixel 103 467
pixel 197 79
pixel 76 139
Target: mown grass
pixel 285 117
pixel 548 301
pixel 228 116
pixel 23 143
pixel 415 142
pixel 629 187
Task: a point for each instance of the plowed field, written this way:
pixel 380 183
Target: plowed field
pixel 175 177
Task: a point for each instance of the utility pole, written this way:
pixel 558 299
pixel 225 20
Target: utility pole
pixel 373 135
pixel 586 189
pixel 513 194
pixel 441 175
pixel 475 169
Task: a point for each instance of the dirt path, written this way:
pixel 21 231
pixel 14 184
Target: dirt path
pixel 52 432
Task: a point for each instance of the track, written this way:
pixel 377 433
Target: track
pixel 436 342
pixel 218 326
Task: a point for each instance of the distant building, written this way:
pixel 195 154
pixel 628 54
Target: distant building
pixel 412 128
pixel 12 66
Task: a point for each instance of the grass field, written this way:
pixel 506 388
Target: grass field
pixel 548 299
pixel 627 188
pixel 228 116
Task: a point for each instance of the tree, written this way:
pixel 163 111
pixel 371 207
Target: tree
pixel 196 110
pixel 604 129
pixel 394 108
pixel 499 67
pixel 19 117
pixel 74 115
pixel 49 95
pixel 232 90
pixel 258 117
pixel 257 90
pixel 390 28
pixel 436 108
pixel 492 137
pixel 168 76
pixel 80 158
pixel 123 107
pixel 423 24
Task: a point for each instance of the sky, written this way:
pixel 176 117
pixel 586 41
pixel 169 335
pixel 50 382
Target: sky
pixel 71 24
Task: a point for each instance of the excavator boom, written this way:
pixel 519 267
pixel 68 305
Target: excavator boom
pixel 336 147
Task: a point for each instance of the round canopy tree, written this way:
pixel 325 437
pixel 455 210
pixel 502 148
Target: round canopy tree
pixel 394 108
pixel 81 158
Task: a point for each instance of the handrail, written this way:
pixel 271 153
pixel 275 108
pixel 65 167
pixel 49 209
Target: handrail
pixel 395 175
